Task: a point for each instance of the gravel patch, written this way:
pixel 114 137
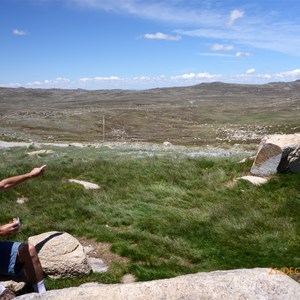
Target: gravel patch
pixel 142 149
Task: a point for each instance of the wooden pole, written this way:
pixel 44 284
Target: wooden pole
pixel 103 126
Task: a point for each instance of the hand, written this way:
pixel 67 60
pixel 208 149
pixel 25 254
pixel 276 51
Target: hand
pixel 37 171
pixel 9 229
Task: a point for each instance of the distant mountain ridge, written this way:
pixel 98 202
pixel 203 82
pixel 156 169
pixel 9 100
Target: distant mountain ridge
pixel 216 84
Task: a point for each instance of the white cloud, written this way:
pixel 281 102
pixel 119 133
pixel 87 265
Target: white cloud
pixel 290 75
pixel 250 71
pixel 286 40
pixel 99 78
pixel 208 22
pixel 19 32
pixel 143 82
pixel 34 83
pixel 162 36
pixel 167 11
pixel 285 76
pixel 264 76
pixel 234 15
pixel 215 54
pixel 204 75
pixel 59 82
pixel 218 47
pixel 85 79
pixel 243 54
pixel 295 72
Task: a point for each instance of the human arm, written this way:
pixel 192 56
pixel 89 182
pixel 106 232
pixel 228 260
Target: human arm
pixel 11 182
pixel 10 228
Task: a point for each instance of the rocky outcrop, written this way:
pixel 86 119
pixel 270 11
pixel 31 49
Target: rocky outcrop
pixel 61 255
pixel 273 153
pixel 235 284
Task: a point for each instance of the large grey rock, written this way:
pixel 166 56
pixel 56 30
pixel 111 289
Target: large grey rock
pixel 273 153
pixel 235 284
pixel 293 161
pixel 61 255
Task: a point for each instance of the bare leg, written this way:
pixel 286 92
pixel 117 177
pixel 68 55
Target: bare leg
pixel 27 255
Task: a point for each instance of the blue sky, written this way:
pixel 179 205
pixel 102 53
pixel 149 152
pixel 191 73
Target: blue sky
pixel 138 44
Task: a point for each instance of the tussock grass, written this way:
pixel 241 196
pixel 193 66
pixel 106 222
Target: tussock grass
pixel 168 216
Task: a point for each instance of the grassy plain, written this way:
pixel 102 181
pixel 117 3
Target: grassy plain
pixel 168 215
pixel 215 114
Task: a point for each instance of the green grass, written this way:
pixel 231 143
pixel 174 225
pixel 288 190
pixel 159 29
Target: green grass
pixel 168 215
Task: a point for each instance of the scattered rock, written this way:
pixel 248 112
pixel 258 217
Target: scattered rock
pixel 97 265
pixel 22 200
pixel 245 160
pixel 87 185
pixel 35 145
pixel 128 278
pixel 88 249
pixel 227 285
pixel 37 152
pixel 61 255
pixel 167 144
pixel 231 183
pixel 254 179
pixel 13 285
pixel 102 251
pixel 79 145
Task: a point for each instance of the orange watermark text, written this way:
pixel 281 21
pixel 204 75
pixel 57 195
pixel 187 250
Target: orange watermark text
pixel 284 271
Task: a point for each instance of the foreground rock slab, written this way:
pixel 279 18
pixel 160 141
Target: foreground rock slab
pixel 235 284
